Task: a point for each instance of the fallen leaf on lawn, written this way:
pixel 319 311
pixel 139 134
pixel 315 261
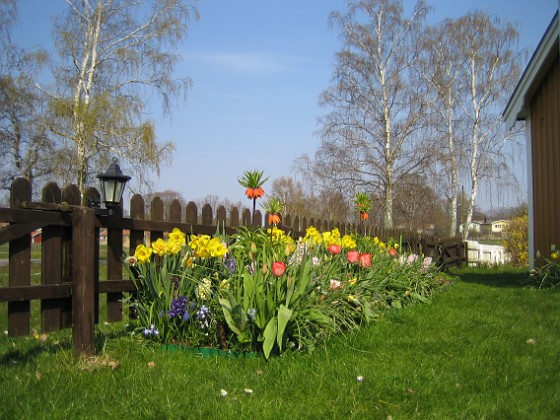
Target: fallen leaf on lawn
pixel 531 341
pixel 151 365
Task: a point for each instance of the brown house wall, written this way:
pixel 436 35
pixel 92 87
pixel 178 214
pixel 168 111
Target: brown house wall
pixel 545 135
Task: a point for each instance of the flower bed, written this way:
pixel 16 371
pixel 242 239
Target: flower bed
pixel 263 291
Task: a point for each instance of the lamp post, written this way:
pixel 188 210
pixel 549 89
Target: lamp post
pixel 112 187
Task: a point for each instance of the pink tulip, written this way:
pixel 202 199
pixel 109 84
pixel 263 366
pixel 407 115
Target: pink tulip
pixel 278 268
pixel 365 260
pixel 352 256
pixel 333 249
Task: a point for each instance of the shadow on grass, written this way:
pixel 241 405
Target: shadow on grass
pixel 25 351
pixel 502 277
pixel 22 350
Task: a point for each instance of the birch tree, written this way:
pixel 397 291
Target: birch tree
pixel 491 68
pixel 370 138
pixel 115 56
pixel 441 67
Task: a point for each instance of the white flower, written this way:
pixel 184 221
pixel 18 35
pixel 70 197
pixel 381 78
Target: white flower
pixel 204 290
pixel 412 258
pixel 223 393
pixel 360 378
pixel 248 391
pixel 335 284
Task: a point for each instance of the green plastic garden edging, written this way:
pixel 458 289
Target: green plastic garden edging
pixel 208 352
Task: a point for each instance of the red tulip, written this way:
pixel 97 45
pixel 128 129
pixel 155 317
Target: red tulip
pixel 392 252
pixel 278 268
pixel 365 260
pixel 333 249
pixel 352 256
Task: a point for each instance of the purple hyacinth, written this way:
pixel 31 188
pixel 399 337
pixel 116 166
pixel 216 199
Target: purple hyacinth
pixel 231 265
pixel 179 308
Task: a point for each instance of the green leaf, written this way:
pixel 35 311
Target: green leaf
pixel 419 297
pixel 284 315
pixel 300 286
pixel 249 291
pixel 270 333
pixel 228 308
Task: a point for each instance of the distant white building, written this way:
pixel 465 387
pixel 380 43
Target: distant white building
pixel 490 228
pixel 498 226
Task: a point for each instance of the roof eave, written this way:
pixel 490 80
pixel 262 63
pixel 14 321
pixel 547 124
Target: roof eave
pixel 517 107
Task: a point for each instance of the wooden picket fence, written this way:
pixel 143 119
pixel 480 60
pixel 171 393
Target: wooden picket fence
pixel 69 283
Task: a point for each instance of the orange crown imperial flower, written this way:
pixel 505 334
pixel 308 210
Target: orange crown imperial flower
pixel 363 204
pixel 273 219
pixel 273 206
pixel 253 181
pixel 254 192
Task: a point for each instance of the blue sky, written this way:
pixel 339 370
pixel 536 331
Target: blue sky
pixel 258 68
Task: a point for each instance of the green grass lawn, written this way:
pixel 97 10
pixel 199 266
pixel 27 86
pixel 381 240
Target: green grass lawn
pixel 484 348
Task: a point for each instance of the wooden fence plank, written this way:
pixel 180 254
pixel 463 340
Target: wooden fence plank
pixel 136 237
pixel 26 293
pixel 156 215
pixel 71 195
pixel 114 272
pixel 19 313
pixel 51 264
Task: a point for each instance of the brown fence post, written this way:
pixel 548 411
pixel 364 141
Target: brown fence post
pixel 83 284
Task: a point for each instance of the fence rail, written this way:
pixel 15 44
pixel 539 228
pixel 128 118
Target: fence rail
pixel 70 283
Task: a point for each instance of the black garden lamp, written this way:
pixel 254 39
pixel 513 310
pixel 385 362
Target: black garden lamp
pixel 112 186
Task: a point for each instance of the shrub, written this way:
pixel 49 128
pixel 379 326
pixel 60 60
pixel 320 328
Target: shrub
pixel 516 240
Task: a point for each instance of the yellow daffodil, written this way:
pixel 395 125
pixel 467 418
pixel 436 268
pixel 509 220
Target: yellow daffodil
pixel 216 248
pixel 159 247
pixel 142 253
pixel 348 242
pixel 177 236
pixel 172 247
